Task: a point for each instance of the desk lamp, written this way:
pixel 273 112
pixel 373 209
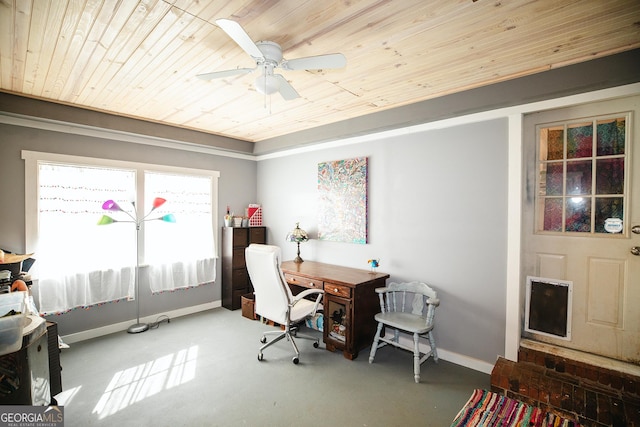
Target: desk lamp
pixel 110 205
pixel 298 235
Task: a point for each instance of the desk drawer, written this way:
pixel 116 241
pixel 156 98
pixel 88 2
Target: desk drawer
pixel 338 290
pixel 303 281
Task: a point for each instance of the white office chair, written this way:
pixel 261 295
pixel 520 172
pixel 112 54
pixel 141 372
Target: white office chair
pixel 408 307
pixel 273 298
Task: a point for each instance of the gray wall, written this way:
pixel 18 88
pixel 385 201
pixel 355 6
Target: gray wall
pixel 236 188
pixel 437 213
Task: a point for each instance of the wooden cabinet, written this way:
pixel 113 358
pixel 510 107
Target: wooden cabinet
pixel 235 278
pixel 350 302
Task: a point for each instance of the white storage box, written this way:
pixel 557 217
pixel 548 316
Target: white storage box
pixel 13 318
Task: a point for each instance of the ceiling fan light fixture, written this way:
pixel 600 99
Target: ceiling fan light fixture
pixel 268 57
pixel 267 84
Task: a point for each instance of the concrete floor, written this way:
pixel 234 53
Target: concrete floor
pixel 202 370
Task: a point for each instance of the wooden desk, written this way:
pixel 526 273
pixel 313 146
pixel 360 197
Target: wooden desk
pixel 350 302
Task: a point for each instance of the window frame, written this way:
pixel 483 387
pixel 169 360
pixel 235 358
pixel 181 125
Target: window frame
pixel 33 158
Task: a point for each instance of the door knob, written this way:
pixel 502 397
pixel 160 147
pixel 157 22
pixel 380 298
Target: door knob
pixel 635 250
pixel 635 229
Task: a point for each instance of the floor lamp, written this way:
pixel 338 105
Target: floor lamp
pixel 110 205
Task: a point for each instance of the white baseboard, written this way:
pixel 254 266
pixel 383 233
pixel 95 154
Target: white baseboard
pixel 122 326
pixel 450 356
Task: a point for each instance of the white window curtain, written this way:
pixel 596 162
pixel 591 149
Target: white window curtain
pixel 80 264
pixel 181 254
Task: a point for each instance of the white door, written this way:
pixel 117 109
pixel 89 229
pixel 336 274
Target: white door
pixel 582 219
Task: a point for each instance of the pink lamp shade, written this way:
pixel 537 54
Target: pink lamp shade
pixel 110 205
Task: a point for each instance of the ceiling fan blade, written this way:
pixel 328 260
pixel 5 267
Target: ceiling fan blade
pixel 286 90
pixel 240 36
pixel 331 60
pixel 226 73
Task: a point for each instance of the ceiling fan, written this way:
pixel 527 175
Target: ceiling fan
pixel 268 57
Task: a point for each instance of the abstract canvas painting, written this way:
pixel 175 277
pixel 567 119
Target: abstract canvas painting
pixel 342 188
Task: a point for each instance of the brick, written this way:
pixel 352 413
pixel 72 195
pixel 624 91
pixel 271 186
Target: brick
pixel 630 384
pixel 591 373
pixel 578 400
pixel 580 370
pixel 616 382
pixel 514 385
pixel 503 382
pixel 591 405
pixel 604 409
pixel 549 362
pixel 536 369
pixel 555 394
pixel 533 390
pixel 604 377
pixel 632 414
pixel 566 399
pixel 544 386
pixel 617 413
pixel 523 383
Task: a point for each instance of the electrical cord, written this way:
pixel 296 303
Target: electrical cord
pixel 159 320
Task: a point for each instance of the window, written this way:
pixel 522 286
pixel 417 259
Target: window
pixel 581 181
pixel 80 264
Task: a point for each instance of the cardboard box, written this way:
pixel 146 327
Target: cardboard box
pixel 248 306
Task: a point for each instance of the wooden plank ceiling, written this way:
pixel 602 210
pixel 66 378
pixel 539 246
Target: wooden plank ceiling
pixel 139 58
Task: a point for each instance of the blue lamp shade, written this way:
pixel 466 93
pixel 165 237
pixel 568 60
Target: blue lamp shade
pixel 168 218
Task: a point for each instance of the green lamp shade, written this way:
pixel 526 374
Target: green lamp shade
pixel 105 220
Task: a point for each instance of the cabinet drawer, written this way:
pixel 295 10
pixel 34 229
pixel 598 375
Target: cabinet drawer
pixel 238 260
pixel 338 290
pixel 240 278
pixel 240 237
pixel 258 235
pixel 303 281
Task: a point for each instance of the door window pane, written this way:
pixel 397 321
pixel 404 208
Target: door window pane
pixel 578 214
pixel 611 137
pixel 553 177
pixel 607 207
pixel 553 215
pixel 579 140
pixel 579 178
pixel 610 176
pixel 552 143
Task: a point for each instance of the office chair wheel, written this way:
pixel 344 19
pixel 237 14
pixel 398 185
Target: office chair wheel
pixel 315 344
pixel 260 356
pixel 263 340
pixel 296 360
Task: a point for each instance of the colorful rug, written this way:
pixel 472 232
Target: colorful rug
pixel 488 409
